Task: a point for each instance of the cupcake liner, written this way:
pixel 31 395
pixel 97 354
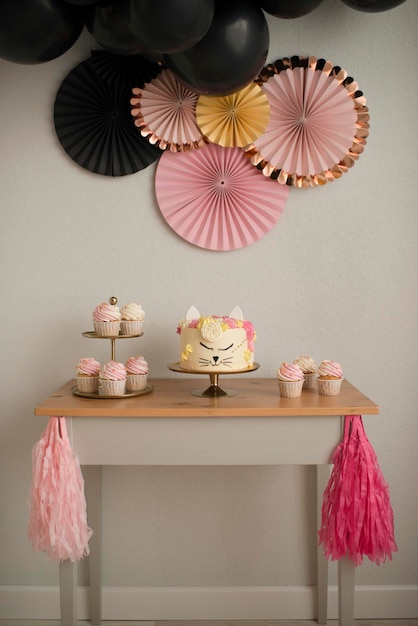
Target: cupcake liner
pixel 290 389
pixel 310 380
pixel 329 387
pixel 131 327
pixel 107 329
pixel 112 387
pixel 136 382
pixel 87 384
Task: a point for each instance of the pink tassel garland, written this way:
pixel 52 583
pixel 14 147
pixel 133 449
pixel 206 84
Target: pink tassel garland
pixel 357 517
pixel 58 510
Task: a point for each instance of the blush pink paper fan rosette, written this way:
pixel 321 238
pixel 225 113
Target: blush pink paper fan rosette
pixel 215 199
pixel 318 122
pixel 164 112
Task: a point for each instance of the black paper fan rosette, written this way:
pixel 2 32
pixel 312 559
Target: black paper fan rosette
pixel 94 124
pixel 124 71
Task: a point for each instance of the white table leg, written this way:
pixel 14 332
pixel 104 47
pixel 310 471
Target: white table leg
pixel 68 592
pixel 346 569
pixel 93 489
pixel 322 477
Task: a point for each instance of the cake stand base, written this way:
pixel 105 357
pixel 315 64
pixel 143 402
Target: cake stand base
pixel 214 390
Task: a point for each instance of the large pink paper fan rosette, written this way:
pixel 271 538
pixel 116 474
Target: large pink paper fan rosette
pixel 215 199
pixel 318 122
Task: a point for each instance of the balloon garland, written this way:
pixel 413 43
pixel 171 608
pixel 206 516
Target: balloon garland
pixel 195 35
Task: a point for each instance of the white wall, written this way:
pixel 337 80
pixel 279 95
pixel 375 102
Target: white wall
pixel 336 278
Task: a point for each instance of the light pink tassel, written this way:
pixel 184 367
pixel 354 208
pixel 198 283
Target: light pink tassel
pixel 357 517
pixel 58 510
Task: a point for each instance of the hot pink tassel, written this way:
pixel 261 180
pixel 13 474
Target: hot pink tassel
pixel 58 510
pixel 357 517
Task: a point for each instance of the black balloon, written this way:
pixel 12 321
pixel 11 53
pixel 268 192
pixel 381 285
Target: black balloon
pixel 81 2
pixel 288 9
pixel 170 25
pixel 372 6
pixel 108 24
pixel 230 55
pixel 36 31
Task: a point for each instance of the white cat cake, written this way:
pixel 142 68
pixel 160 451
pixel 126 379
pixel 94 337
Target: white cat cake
pixel 216 344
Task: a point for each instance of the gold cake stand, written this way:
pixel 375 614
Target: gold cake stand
pixel 214 390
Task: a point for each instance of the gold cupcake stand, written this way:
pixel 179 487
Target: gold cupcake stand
pixel 214 390
pixel 95 394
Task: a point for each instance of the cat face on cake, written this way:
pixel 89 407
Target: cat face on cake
pixel 214 343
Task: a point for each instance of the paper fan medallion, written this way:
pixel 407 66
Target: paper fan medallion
pixel 215 199
pixel 94 125
pixel 318 122
pixel 124 71
pixel 235 120
pixel 165 113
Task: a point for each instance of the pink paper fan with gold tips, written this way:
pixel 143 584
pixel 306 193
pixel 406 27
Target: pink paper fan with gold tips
pixel 318 122
pixel 215 199
pixel 164 112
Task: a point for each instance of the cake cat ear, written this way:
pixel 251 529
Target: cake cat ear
pixel 192 313
pixel 236 314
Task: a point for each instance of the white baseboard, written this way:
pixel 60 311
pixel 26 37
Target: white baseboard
pixel 210 603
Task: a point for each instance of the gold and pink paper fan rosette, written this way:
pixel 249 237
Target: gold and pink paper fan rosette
pixel 164 113
pixel 235 120
pixel 318 124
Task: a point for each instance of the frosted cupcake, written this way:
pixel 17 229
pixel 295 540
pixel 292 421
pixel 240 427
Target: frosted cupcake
pixel 137 373
pixel 308 367
pixel 106 320
pixel 330 377
pixel 290 378
pixel 132 315
pixel 112 381
pixel 87 375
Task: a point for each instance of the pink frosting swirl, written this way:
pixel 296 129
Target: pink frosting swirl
pixel 330 368
pixel 136 365
pixel 106 312
pixel 88 366
pixel 113 371
pixel 290 372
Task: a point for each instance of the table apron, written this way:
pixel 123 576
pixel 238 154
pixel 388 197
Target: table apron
pixel 291 440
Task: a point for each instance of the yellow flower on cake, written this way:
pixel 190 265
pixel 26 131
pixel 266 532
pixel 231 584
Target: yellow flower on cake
pixel 185 354
pixel 203 321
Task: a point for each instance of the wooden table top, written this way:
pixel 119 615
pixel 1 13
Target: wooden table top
pixel 171 397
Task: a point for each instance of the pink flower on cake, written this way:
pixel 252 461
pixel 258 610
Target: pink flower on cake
pixel 231 322
pixel 251 336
